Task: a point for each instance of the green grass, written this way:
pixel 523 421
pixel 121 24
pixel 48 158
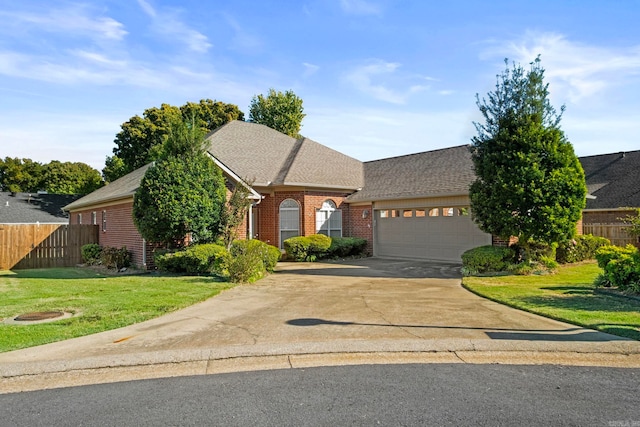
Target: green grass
pixel 101 302
pixel 568 295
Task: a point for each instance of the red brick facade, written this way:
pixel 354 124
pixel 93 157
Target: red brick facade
pixel 116 228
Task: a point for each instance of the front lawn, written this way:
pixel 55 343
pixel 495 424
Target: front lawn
pixel 568 295
pixel 101 301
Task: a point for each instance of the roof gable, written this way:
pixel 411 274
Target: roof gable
pixel 444 172
pixel 121 188
pixel 257 152
pixel 614 180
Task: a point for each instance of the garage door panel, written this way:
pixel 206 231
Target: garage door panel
pixel 442 238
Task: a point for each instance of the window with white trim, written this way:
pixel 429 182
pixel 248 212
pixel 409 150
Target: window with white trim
pixel 289 220
pixel 329 219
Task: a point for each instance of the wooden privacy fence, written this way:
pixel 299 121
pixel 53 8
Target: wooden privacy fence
pixel 43 245
pixel 616 233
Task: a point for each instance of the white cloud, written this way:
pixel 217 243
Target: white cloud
pixel 366 78
pixel 168 24
pixel 76 20
pixel 309 69
pixel 360 7
pixel 575 70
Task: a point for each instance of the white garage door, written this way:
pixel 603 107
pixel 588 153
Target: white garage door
pixel 436 233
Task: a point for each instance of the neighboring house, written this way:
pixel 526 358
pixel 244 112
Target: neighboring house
pixel 34 208
pixel 613 184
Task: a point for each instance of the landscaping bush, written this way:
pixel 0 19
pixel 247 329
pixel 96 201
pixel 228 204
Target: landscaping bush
pixel 297 248
pixel 579 249
pixel 621 268
pixel 91 253
pixel 318 246
pixel 346 246
pixel 270 255
pixel 251 259
pixel 486 259
pixel 196 259
pixel 115 257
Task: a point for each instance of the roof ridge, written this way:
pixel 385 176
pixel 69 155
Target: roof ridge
pixel 416 154
pixel 288 162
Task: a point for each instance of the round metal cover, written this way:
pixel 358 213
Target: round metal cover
pixel 38 315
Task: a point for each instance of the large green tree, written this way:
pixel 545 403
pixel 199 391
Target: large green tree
pixel 141 138
pixel 20 175
pixel 280 111
pixel 529 182
pixel 70 178
pixel 25 175
pixel 179 196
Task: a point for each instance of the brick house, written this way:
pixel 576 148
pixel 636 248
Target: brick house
pixel 299 187
pixel 414 206
pixel 613 183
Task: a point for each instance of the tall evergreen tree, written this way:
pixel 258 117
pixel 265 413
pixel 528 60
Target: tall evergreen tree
pixel 529 184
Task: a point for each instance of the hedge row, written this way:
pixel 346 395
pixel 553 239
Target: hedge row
pixel 317 246
pixel 94 254
pixel 245 261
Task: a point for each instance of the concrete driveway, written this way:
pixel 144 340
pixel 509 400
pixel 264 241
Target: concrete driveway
pixel 307 314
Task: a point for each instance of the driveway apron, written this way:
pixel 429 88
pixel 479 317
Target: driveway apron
pixel 361 305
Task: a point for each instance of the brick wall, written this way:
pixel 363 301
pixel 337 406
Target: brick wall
pixel 268 210
pixel 119 229
pixel 360 224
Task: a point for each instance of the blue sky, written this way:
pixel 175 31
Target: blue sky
pixel 379 78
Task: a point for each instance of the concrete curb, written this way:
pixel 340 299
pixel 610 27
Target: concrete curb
pixel 28 376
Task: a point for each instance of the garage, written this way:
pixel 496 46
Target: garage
pixel 440 233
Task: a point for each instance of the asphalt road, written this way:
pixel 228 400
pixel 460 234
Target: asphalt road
pixel 447 394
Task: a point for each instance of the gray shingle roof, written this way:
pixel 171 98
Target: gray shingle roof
pixel 30 208
pixel 444 172
pixel 614 179
pixel 121 188
pixel 257 152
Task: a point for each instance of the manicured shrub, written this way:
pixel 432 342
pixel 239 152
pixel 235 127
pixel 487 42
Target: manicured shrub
pixel 621 267
pixel 346 246
pixel 115 257
pixel 91 253
pixel 251 260
pixel 486 259
pixel 270 255
pixel 579 249
pixel 318 245
pixel 297 248
pixel 196 259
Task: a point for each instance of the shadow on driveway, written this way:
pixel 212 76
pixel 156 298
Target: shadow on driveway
pixel 375 267
pixel 492 333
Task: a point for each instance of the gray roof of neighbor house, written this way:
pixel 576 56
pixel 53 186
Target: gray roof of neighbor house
pixel 267 157
pixel 121 188
pixel 444 172
pixel 30 208
pixel 614 180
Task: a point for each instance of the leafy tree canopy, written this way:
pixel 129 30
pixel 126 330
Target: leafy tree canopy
pixel 141 139
pixel 179 196
pixel 25 175
pixel 529 182
pixel 280 111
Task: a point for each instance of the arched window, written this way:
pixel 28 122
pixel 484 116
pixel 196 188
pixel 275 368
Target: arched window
pixel 329 219
pixel 289 220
